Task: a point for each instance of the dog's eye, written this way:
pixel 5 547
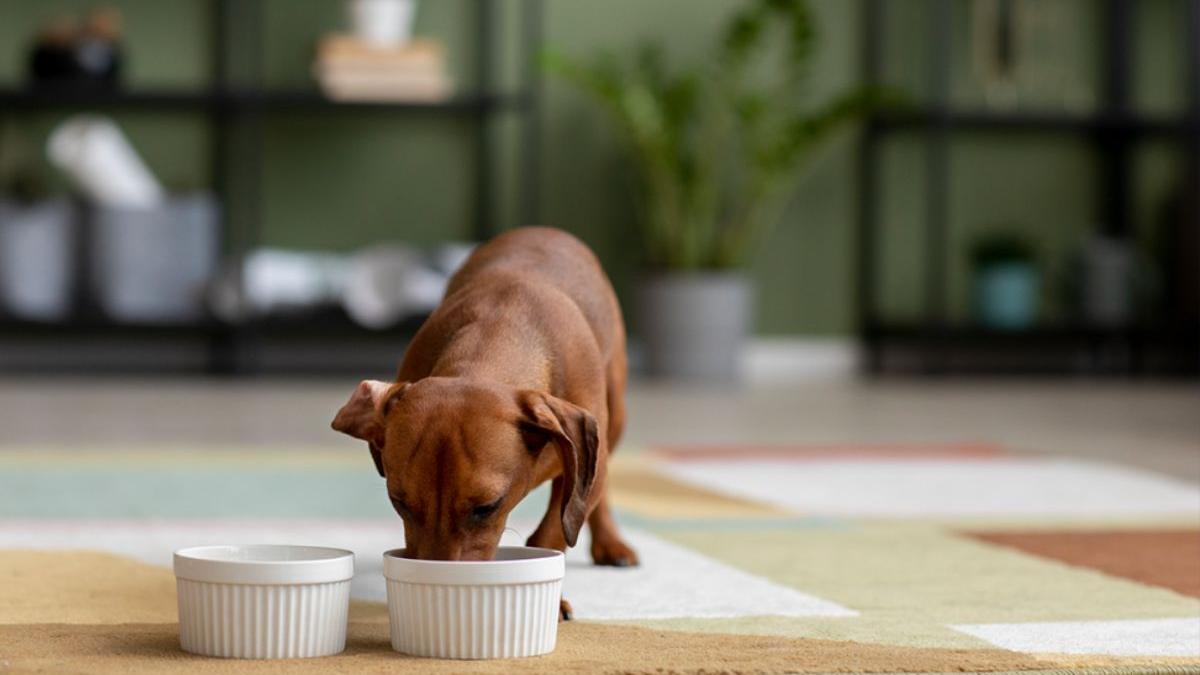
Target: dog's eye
pixel 485 511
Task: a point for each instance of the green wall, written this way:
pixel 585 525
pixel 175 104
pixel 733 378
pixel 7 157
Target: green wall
pixel 346 180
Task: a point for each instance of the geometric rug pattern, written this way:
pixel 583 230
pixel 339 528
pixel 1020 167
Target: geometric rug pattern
pixel 884 558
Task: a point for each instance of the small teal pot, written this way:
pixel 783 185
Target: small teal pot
pixel 1006 295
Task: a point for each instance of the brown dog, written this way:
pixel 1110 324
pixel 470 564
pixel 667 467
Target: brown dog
pixel 517 378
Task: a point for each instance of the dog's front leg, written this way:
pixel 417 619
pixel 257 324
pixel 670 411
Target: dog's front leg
pixel 549 534
pixel 608 548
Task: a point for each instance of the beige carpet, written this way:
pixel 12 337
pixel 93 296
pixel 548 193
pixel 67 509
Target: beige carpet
pixel 759 561
pixel 99 613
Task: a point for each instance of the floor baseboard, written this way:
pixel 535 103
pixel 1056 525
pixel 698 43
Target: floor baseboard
pixel 788 359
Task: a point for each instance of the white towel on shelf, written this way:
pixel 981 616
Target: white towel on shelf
pixel 390 283
pixel 278 281
pixel 94 153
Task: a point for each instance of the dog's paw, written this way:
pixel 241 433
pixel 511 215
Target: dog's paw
pixel 565 613
pixel 613 552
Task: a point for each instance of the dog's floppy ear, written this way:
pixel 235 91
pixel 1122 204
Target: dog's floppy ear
pixel 362 416
pixel 574 432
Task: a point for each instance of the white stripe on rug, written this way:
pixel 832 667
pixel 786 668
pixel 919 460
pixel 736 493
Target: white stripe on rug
pixel 945 488
pixel 671 582
pixel 1141 637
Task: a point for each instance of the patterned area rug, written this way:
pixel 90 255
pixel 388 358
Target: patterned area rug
pixel 870 559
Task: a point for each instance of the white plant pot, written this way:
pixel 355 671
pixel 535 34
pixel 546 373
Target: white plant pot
pixel 502 608
pixel 694 325
pixel 263 602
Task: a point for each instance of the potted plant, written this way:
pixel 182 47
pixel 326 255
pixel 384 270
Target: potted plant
pixel 1005 281
pixel 716 150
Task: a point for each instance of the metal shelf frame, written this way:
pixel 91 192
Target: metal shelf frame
pixel 1114 129
pixel 235 348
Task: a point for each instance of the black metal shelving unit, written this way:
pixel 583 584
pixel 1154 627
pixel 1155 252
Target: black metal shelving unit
pixel 228 101
pixel 935 345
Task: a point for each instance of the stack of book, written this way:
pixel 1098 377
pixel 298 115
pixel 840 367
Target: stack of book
pixel 349 69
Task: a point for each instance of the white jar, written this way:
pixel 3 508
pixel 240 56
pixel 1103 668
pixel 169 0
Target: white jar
pixel 500 608
pixel 263 602
pixel 383 23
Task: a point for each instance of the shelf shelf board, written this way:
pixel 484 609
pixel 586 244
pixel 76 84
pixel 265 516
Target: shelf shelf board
pixel 270 100
pixel 51 97
pixel 967 333
pixel 332 322
pixel 98 327
pixel 911 329
pixel 1031 121
pixel 1047 349
pixel 316 324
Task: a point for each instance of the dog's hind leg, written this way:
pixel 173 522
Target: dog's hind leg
pixel 618 373
pixel 607 546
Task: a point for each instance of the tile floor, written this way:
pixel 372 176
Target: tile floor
pixel 1153 425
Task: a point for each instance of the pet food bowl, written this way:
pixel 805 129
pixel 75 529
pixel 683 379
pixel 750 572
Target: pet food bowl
pixel 263 602
pixel 499 608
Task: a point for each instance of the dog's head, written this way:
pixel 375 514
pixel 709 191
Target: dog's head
pixel 459 455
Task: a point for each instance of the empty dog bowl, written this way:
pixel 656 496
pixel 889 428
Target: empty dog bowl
pixel 263 602
pixel 475 610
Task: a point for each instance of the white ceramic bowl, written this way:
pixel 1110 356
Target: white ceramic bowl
pixel 499 608
pixel 263 602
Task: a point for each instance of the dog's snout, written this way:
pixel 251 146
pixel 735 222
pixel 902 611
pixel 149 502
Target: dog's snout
pixel 436 549
pixel 449 548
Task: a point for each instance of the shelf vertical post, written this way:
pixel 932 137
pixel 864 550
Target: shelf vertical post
pixel 1115 147
pixel 222 348
pixel 248 341
pixel 868 185
pixel 1114 140
pixel 532 13
pixel 1191 146
pixel 937 188
pixel 485 56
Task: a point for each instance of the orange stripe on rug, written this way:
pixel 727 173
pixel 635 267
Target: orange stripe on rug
pixel 1166 558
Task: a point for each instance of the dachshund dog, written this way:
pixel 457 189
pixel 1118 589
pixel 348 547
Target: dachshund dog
pixel 518 377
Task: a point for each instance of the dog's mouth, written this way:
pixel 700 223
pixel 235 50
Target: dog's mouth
pixel 422 553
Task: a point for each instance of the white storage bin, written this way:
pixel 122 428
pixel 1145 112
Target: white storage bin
pixel 153 264
pixel 36 259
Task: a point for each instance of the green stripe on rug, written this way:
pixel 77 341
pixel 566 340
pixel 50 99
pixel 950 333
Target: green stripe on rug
pixel 920 574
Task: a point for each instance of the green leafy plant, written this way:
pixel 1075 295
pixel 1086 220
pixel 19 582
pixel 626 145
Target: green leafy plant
pixel 716 148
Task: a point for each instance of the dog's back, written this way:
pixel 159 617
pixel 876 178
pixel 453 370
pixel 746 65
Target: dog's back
pixel 540 257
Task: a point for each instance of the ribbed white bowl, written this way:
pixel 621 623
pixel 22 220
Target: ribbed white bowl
pixel 263 602
pixel 501 608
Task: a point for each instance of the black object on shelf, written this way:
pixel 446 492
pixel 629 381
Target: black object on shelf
pixel 84 57
pixel 238 348
pixel 933 344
